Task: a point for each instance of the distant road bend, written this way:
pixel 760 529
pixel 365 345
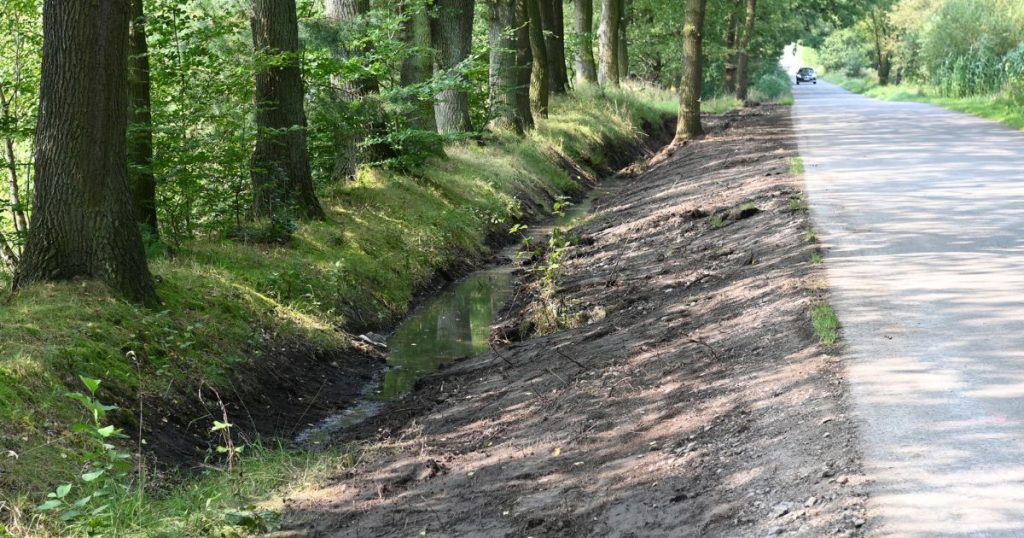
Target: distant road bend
pixel 922 212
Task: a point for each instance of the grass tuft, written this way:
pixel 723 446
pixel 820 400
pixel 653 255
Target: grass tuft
pixel 826 324
pixel 796 166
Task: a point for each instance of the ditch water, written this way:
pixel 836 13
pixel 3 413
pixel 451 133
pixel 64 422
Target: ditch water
pixel 453 325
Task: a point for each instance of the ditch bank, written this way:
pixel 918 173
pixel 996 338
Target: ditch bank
pixel 680 390
pixel 294 385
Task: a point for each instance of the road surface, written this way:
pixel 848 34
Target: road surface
pixel 922 212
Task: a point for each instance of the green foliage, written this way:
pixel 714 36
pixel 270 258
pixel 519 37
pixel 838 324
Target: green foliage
pixel 772 86
pixel 846 52
pixel 104 475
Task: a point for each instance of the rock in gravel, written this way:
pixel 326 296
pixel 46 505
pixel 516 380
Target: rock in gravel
pixel 781 509
pixel 858 522
pixel 810 502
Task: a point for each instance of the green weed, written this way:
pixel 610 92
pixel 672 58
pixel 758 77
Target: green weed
pixel 816 258
pixel 826 324
pixel 796 166
pixel 810 235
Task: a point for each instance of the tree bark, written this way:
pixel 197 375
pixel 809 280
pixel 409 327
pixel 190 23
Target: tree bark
pixel 342 13
pixel 743 57
pixel 505 80
pixel 281 175
pixel 586 68
pixel 540 83
pixel 418 67
pixel 83 224
pixel 453 39
pixel 693 72
pixel 732 42
pixel 608 44
pixel 140 123
pixel 553 21
pixel 8 258
pixel 623 50
pixel 524 63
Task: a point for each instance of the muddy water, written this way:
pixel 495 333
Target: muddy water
pixel 453 325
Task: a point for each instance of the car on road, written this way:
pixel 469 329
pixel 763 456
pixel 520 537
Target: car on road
pixel 806 74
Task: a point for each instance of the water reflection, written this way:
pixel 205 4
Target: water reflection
pixel 456 324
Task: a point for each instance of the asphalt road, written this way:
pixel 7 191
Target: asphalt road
pixel 922 212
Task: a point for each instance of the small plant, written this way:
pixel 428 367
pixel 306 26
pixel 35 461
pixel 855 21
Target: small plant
pixel 105 473
pixel 810 235
pixel 796 166
pixel 816 258
pixel 797 202
pixel 826 324
pixel 561 204
pixel 715 221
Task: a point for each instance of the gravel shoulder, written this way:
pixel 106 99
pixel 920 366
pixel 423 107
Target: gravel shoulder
pixel 683 394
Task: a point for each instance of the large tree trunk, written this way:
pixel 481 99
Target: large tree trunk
pixel 140 123
pixel 586 68
pixel 693 72
pixel 608 43
pixel 882 64
pixel 83 223
pixel 505 80
pixel 540 83
pixel 553 21
pixel 732 42
pixel 344 13
pixel 524 63
pixel 418 67
pixel 453 39
pixel 743 58
pixel 281 175
pixel 623 50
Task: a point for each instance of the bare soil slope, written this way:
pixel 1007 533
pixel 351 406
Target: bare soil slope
pixel 691 400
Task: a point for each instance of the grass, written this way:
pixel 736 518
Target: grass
pixel 385 237
pixel 826 324
pixel 810 235
pixel 720 104
pixel 796 166
pixel 995 107
pixel 816 258
pixel 715 221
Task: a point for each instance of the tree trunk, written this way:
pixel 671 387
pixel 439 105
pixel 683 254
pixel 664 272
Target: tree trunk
pixel 743 57
pixel 524 63
pixel 693 72
pixel 623 50
pixel 505 81
pixel 8 259
pixel 554 44
pixel 418 67
pixel 586 68
pixel 732 42
pixel 540 83
pixel 453 39
pixel 140 123
pixel 608 44
pixel 347 138
pixel 882 63
pixel 13 188
pixel 281 175
pixel 83 223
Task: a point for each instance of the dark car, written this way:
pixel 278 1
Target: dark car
pixel 806 74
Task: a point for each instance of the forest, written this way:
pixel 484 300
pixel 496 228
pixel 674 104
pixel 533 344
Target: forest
pixel 196 193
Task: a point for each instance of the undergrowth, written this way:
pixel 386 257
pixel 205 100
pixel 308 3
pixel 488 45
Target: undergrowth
pixel 225 302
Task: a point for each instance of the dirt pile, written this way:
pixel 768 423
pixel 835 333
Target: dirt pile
pixel 687 395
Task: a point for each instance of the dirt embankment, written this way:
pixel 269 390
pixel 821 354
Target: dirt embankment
pixel 691 400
